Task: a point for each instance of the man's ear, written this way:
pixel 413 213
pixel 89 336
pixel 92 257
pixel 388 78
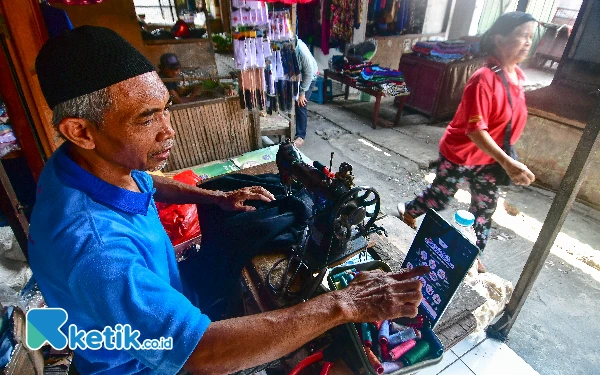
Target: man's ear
pixel 79 131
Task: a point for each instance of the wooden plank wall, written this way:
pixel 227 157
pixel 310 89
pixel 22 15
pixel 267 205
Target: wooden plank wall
pixel 208 131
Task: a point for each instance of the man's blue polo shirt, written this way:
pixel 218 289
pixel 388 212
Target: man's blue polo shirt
pixel 100 252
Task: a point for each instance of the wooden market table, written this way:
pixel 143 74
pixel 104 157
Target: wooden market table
pixel 349 82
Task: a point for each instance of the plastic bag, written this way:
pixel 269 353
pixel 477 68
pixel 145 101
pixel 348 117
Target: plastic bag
pixel 180 220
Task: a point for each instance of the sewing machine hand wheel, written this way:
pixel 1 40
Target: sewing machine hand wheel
pixel 351 211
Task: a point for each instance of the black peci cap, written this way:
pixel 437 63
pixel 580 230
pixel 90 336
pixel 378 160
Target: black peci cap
pixel 86 59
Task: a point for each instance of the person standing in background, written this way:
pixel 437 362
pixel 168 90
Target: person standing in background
pixel 170 67
pixel 308 71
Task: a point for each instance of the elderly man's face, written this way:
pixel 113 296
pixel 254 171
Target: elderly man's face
pixel 136 132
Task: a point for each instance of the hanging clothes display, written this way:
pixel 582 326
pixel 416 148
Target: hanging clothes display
pixel 325 27
pixel 264 53
pixel 343 20
pixel 250 32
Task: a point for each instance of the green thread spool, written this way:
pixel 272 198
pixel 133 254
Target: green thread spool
pixel 366 333
pixel 436 347
pixel 374 332
pixel 416 354
pixel 343 282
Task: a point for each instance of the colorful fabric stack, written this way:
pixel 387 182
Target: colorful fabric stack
pixel 424 48
pixel 450 49
pixel 389 81
pixel 8 140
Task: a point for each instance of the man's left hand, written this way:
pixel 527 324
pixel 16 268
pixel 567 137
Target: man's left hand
pixel 234 200
pixel 302 100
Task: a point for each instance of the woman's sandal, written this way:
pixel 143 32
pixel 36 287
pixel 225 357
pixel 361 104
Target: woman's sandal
pixel 406 218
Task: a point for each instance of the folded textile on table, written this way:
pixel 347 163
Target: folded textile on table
pixel 421 50
pixel 392 89
pixel 452 47
pixel 376 71
pixel 447 56
pixel 426 45
pixel 389 88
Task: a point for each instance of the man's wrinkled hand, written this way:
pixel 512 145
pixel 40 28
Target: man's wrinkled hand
pixel 378 295
pixel 235 200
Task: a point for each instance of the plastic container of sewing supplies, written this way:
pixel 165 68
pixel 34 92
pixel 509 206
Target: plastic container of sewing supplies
pixel 395 347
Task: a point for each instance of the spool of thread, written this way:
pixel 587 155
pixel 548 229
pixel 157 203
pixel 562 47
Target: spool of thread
pixel 399 350
pixel 435 346
pixel 385 352
pixel 384 332
pixel 416 322
pixel 376 349
pixel 418 333
pixel 343 282
pixel 392 366
pixel 379 323
pixel 374 331
pixel 375 363
pixel 402 336
pixel 367 339
pixel 395 327
pixel 416 354
pixel 338 276
pixel 349 277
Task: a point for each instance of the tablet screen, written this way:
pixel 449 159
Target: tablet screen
pixel 449 255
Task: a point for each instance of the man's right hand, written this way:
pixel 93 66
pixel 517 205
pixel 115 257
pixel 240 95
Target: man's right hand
pixel 379 295
pixel 519 173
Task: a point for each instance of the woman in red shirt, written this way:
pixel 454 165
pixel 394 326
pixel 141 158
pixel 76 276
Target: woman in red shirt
pixel 471 148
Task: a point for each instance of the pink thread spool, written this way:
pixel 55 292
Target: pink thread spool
pixel 399 350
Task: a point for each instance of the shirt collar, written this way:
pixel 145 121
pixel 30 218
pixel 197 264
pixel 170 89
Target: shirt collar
pixel 128 201
pixel 492 60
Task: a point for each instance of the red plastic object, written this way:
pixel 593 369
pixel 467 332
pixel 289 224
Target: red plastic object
pixel 180 220
pixel 181 29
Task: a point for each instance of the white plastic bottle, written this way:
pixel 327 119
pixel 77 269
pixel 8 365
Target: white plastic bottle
pixel 464 221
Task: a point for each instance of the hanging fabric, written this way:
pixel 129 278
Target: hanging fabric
pixel 75 2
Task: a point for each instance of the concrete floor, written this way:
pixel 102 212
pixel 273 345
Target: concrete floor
pixel 557 329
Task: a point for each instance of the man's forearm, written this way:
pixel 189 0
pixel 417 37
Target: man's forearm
pixel 175 192
pixel 484 141
pixel 235 344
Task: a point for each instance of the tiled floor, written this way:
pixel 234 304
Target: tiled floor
pixel 478 355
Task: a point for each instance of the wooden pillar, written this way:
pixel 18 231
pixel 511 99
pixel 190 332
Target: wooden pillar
pixel 25 32
pixel 9 204
pixel 559 210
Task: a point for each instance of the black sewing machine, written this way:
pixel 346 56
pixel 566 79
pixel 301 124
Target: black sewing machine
pixel 343 216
